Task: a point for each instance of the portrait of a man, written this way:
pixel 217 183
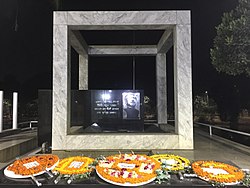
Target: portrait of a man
pixel 131 105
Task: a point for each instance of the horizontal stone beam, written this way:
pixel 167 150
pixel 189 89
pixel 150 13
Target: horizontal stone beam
pixel 116 20
pixel 120 27
pixel 147 50
pixel 121 18
pixel 166 42
pixel 78 43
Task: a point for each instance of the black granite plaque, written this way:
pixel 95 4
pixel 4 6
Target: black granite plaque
pixel 106 104
pixel 117 110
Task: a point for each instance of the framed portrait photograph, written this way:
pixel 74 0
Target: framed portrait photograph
pixel 131 105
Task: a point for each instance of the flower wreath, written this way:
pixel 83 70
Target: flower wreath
pixel 231 175
pixel 33 164
pixel 74 165
pixel 172 162
pixel 128 168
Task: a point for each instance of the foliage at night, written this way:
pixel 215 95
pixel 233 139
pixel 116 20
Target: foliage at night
pixel 205 109
pixel 231 50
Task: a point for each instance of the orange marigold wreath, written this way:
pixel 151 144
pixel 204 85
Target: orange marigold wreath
pixel 128 168
pixel 33 164
pixel 203 169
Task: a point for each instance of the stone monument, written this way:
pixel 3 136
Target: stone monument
pixel 177 33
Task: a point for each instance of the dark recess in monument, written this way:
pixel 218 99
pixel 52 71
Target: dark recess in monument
pixel 97 111
pixel 44 117
pixel 80 105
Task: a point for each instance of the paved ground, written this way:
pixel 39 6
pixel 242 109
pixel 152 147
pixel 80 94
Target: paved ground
pixel 215 148
pixel 206 148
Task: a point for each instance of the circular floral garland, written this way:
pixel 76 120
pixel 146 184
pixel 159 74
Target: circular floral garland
pixel 203 170
pixel 128 168
pixel 74 165
pixel 33 164
pixel 172 162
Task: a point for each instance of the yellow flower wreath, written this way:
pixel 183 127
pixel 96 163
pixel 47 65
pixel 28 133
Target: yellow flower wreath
pixel 174 162
pixel 74 165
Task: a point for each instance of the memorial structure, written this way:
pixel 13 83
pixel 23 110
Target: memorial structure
pixel 177 33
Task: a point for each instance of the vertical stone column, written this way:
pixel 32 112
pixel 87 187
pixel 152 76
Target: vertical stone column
pixel 161 88
pixel 83 72
pixel 61 85
pixel 183 81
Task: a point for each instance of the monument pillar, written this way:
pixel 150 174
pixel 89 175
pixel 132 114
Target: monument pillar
pixel 161 88
pixel 61 85
pixel 83 72
pixel 183 81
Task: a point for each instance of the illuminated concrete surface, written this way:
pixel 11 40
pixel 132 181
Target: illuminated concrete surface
pixel 205 149
pixel 16 145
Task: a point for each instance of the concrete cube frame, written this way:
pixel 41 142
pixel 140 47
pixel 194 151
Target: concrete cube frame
pixel 177 26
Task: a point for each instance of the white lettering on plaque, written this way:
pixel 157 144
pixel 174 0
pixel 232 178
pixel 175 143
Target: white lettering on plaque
pixel 215 171
pixel 76 164
pixel 169 162
pixel 31 164
pixel 126 165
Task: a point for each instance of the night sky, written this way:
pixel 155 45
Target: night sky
pixel 26 47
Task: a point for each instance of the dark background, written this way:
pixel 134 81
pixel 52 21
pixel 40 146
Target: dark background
pixel 26 48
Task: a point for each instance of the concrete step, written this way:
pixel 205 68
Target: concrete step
pixel 17 144
pixel 9 132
